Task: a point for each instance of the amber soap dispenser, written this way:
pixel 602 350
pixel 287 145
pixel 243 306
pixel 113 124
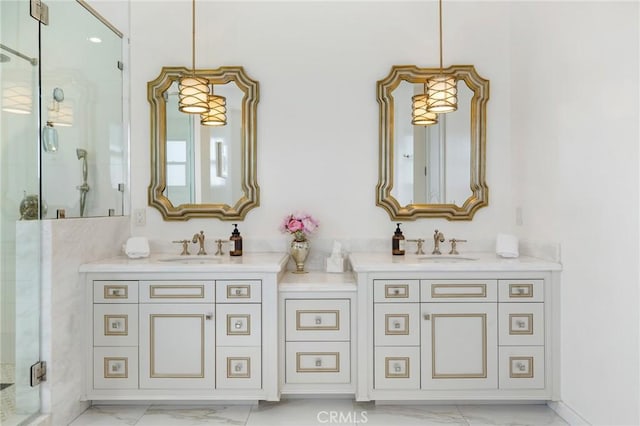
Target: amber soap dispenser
pixel 236 242
pixel 397 242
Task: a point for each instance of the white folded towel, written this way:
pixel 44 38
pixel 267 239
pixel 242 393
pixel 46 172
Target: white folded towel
pixel 137 247
pixel 507 245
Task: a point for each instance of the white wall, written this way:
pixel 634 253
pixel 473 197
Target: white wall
pixel 552 150
pixel 574 100
pixel 317 64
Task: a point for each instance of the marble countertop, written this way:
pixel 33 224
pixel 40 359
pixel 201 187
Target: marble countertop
pixel 471 261
pixel 318 281
pixel 164 262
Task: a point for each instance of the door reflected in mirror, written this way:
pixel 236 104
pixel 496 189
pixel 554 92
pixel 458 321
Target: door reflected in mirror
pixel 437 170
pixel 203 171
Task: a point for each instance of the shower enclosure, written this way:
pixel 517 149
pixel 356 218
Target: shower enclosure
pixel 62 154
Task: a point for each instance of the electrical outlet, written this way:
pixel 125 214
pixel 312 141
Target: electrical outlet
pixel 140 217
pixel 519 216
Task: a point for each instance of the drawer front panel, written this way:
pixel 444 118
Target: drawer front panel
pixel 238 324
pixel 521 290
pixel 115 291
pixel 458 290
pixel 396 324
pixel 115 325
pixel 115 368
pixel 521 367
pixel 317 362
pixel 177 292
pixel 239 368
pixel 396 291
pixel 238 291
pixel 521 324
pixel 397 367
pixel 317 319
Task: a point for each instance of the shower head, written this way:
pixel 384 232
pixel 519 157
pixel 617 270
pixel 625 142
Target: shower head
pixel 81 153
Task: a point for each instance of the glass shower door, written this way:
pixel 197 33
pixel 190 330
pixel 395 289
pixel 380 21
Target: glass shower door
pixel 19 211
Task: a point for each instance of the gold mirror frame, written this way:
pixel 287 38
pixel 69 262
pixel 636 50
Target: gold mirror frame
pixel 155 94
pixel 480 192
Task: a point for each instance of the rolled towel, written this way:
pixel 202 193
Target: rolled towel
pixel 507 245
pixel 137 247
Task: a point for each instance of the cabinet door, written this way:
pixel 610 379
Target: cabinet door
pixel 177 345
pixel 459 346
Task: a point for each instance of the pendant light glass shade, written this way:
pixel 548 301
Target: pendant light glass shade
pixel 216 115
pixel 17 99
pixel 442 94
pixel 419 114
pixel 193 95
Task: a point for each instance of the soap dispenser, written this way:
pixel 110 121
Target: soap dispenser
pixel 397 242
pixel 236 242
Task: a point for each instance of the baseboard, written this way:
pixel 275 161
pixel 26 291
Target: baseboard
pixel 567 413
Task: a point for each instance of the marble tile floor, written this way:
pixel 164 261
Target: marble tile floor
pixel 309 412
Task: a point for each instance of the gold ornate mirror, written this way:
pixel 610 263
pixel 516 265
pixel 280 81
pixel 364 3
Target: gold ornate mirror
pixel 203 171
pixel 438 170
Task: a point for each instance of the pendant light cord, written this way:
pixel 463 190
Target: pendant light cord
pixel 193 37
pixel 440 25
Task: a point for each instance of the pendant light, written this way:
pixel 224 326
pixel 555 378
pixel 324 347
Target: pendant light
pixel 419 114
pixel 216 115
pixel 441 89
pixel 193 91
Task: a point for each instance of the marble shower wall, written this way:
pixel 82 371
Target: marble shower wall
pixel 66 244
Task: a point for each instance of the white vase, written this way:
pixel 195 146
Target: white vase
pixel 299 253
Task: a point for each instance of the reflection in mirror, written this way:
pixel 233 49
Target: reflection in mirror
pixel 432 163
pixel 437 170
pixel 204 171
pixel 203 162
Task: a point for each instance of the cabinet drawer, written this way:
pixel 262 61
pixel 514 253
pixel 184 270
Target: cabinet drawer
pixel 115 368
pixel 238 324
pixel 115 291
pixel 521 324
pixel 115 325
pixel 317 362
pixel 396 291
pixel 239 368
pixel 397 367
pixel 177 292
pixel 522 367
pixel 396 324
pixel 521 290
pixel 317 319
pixel 458 290
pixel 238 291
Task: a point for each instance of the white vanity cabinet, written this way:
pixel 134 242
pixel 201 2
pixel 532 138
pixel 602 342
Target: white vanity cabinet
pixel 159 331
pixel 317 333
pixel 482 330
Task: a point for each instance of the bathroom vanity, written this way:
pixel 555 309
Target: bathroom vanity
pixel 183 328
pixel 473 327
pixel 456 327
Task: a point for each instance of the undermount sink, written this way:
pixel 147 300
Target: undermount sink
pixel 191 259
pixel 446 259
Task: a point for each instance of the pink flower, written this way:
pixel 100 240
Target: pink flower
pixel 299 225
pixel 295 225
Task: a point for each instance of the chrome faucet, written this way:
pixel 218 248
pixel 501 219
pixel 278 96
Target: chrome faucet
pixel 438 237
pixel 199 238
